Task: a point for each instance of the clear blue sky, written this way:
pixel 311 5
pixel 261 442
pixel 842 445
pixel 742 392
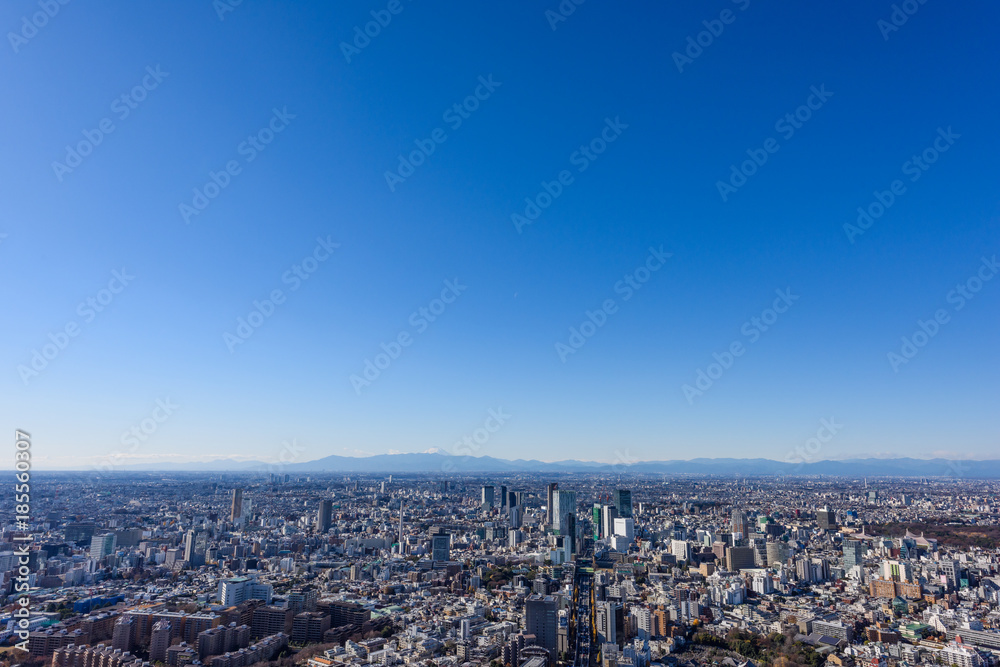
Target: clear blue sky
pixel 323 175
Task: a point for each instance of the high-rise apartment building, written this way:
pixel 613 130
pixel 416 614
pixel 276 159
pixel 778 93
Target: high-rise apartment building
pixel 237 507
pixel 302 599
pixel 160 642
pixel 309 626
pixel 344 613
pixel 643 620
pixel 610 622
pixel 270 621
pixel 739 524
pixel 124 634
pixel 324 517
pixel 550 492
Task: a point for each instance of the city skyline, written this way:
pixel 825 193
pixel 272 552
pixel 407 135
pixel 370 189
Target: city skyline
pixel 797 464
pixel 148 569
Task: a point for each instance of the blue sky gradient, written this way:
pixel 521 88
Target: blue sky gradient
pixel 621 395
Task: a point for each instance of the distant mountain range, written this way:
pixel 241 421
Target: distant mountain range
pixel 437 463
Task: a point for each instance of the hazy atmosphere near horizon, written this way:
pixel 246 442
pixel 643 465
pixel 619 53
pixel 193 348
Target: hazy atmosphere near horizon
pixel 606 232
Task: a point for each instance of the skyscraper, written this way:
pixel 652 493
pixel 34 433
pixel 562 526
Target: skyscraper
pixel 102 545
pixel 739 526
pixel 608 516
pixel 160 641
pixel 487 497
pixel 853 553
pixel 548 504
pixel 564 503
pixel 739 558
pixel 826 518
pixel 325 515
pixel 401 545
pixel 541 619
pixel 237 509
pixel 681 549
pixel 610 622
pixel 195 546
pixel 643 622
pixel 515 514
pixel 623 502
pixel 777 552
pixel 124 634
pixel 441 547
pixel 564 518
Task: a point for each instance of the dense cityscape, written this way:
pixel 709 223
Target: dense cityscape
pixel 625 570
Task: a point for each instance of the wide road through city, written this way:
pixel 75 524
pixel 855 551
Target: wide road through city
pixel 584 655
